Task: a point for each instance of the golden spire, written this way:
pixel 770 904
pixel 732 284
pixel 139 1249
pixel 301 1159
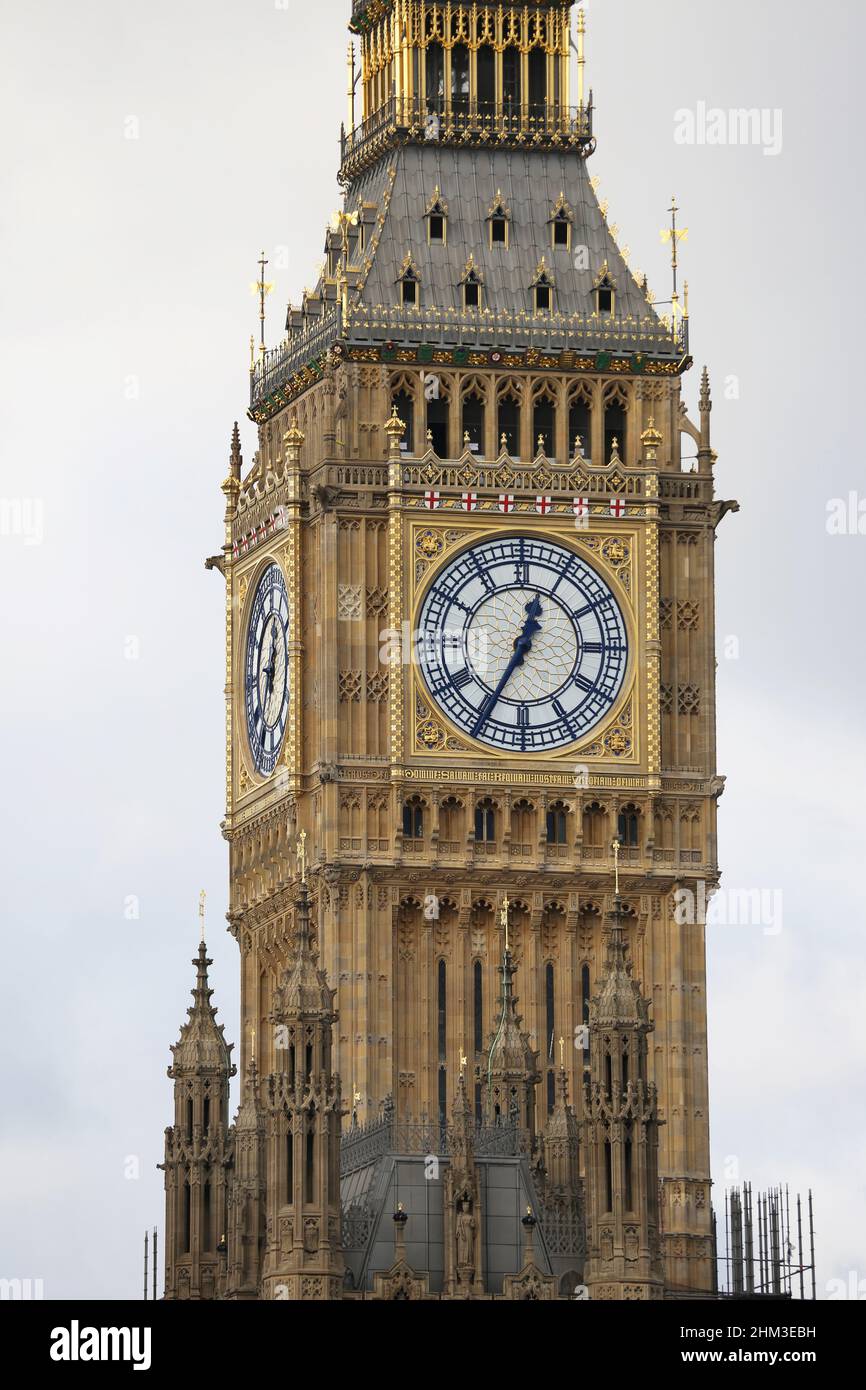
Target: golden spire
pixel 674 235
pixel 464 1060
pixel 616 849
pixel 503 918
pixel 301 854
pixel 254 1044
pixel 201 902
pixel 562 1052
pixel 262 288
pixel 581 56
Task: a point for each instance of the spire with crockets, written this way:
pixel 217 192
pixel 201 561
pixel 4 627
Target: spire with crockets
pixel 512 1066
pixel 198 1148
pixel 304 1110
pixel 620 1133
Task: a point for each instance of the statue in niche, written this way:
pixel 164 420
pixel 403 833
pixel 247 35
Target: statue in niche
pixel 465 1227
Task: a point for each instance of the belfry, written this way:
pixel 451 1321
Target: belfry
pixel 470 724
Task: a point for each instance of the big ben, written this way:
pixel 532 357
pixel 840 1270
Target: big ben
pixel 470 725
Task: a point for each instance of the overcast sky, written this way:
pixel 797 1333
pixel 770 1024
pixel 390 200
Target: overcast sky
pixel 150 151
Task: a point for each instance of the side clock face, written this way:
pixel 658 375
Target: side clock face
pixel 522 644
pixel 266 669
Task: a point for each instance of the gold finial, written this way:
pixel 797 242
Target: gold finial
pixel 252 354
pixel 616 849
pixel 464 1061
pixel 503 917
pixel 294 436
pixel 301 854
pixel 356 1097
pixel 254 1044
pixel 201 902
pixel 395 430
pixel 562 1052
pixel 652 439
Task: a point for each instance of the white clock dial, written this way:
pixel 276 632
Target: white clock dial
pixel 266 669
pixel 523 644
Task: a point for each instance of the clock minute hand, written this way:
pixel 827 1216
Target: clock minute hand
pixel 522 648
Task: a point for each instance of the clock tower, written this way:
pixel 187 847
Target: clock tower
pixel 469 647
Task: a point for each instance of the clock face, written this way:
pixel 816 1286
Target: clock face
pixel 522 644
pixel 266 669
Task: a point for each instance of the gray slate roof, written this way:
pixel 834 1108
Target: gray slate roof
pixel 531 182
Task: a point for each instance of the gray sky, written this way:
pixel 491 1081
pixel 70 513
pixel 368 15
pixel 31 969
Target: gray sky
pixel 126 309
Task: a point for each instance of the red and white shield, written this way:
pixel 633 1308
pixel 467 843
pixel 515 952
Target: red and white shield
pixel 432 499
pixel 581 506
pixel 617 506
pixel 506 502
pixel 543 505
pixel 470 501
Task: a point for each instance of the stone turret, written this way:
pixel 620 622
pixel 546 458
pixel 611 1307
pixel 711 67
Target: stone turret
pixel 620 1136
pixel 198 1150
pixel 512 1066
pixel 304 1111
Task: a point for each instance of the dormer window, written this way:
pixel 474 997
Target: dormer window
pixel 605 293
pixel 472 283
pixel 437 219
pixel 542 289
pixel 561 220
pixel 409 281
pixel 498 219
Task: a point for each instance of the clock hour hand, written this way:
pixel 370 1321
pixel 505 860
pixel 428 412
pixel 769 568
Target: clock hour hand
pixel 522 648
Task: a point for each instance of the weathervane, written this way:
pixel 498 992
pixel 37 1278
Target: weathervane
pixel 301 854
pixel 201 901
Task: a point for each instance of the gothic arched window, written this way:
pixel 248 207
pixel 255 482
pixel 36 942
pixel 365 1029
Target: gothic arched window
pixel 460 77
pixel 544 425
pixel 485 821
pixel 508 423
pixel 435 77
pixel 594 819
pixel 557 825
pixel 473 421
pixel 537 83
pixel 486 79
pixel 413 819
pixel 511 85
pixel 580 423
pixel 628 825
